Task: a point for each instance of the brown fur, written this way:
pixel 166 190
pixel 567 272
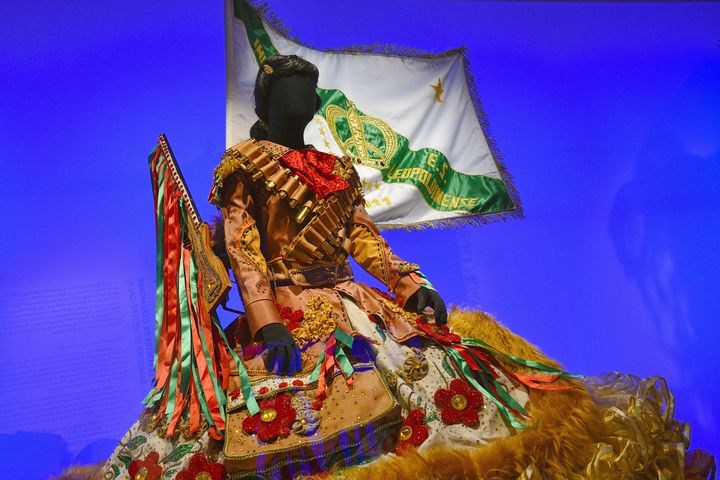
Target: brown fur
pixel 88 472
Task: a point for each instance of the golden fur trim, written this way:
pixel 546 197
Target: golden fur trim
pixel 87 472
pixel 572 439
pixel 567 422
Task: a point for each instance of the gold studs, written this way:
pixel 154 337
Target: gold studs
pixel 458 402
pixel 268 415
pixel 405 432
pixel 141 474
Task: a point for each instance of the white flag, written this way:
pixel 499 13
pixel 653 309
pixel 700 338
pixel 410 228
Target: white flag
pixel 411 123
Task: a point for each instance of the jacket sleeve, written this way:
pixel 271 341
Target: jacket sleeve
pixel 372 252
pixel 242 240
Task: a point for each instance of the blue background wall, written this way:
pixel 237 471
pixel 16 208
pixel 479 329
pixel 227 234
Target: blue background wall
pixel 608 115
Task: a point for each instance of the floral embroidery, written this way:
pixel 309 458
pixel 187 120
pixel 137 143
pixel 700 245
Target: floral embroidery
pixel 441 333
pixel 200 469
pixel 274 419
pixel 413 431
pixel 308 420
pixel 147 469
pixel 459 403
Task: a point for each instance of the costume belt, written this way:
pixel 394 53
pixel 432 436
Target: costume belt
pixel 316 276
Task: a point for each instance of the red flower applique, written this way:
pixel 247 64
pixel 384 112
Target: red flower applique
pixel 147 469
pixel 282 385
pixel 298 383
pixel 235 394
pixel 291 319
pixel 441 333
pixel 413 431
pixel 459 403
pixel 274 419
pixel 198 466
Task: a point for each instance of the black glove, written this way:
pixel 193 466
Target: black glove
pixel 283 354
pixel 427 297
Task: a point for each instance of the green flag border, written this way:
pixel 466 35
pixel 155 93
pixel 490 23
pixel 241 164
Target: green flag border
pixel 262 9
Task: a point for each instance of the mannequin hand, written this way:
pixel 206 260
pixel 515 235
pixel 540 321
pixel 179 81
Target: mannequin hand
pixel 283 354
pixel 427 297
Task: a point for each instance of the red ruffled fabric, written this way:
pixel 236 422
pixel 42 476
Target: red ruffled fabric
pixel 316 170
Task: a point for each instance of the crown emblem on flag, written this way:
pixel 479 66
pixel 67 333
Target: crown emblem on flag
pixel 361 136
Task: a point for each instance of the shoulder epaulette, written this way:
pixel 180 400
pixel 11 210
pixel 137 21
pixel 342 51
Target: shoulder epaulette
pixel 323 218
pixel 261 165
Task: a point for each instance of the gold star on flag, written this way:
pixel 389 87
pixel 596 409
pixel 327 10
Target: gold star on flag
pixel 438 91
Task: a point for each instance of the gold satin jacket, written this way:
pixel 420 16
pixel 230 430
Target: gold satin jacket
pixel 289 248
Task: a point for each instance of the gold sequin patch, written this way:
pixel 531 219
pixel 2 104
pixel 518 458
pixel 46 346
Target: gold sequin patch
pixel 395 308
pixel 415 367
pixel 318 323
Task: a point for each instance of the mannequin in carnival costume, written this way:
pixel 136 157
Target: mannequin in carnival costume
pixel 323 373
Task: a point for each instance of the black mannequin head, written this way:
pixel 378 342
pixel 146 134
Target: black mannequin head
pixel 285 99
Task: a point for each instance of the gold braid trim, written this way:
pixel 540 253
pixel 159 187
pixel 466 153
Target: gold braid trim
pixel 249 243
pixel 407 267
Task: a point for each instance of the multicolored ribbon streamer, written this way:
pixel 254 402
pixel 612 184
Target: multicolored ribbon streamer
pixel 476 361
pixel 333 355
pixel 192 354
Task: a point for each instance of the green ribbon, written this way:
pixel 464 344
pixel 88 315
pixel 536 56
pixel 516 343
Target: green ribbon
pixel 500 389
pixel 219 394
pixel 185 322
pixel 426 285
pixel 545 369
pixel 171 392
pixel 468 373
pixel 201 396
pixel 159 220
pixel 315 375
pixel 340 356
pixel 343 339
pixel 245 386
